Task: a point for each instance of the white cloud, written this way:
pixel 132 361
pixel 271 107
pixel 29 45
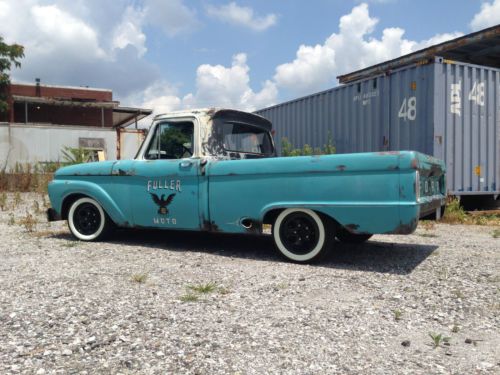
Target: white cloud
pixel 242 16
pixel 316 67
pixel 489 15
pixel 57 29
pixel 71 43
pixel 216 86
pixel 221 86
pixel 172 16
pixel 129 31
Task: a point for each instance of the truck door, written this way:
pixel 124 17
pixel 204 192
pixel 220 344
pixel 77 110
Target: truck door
pixel 164 192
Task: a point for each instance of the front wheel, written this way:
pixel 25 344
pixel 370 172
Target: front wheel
pixel 87 220
pixel 301 235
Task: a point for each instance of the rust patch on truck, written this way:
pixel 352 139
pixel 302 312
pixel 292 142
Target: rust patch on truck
pixel 352 227
pixel 210 226
pixel 341 167
pixel 403 228
pixel 121 172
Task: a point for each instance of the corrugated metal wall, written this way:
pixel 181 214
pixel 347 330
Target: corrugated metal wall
pixel 467 126
pixel 353 115
pixel 446 109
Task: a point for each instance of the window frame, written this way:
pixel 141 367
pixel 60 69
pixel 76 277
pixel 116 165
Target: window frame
pixel 148 143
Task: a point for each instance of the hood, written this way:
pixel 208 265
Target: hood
pixel 101 168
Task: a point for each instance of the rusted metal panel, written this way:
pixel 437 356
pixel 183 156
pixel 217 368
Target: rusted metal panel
pixel 129 142
pixel 447 109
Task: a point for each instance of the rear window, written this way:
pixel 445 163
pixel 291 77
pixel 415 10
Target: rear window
pixel 245 138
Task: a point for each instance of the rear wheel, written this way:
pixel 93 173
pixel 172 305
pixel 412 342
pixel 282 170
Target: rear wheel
pixel 301 235
pixel 343 235
pixel 87 220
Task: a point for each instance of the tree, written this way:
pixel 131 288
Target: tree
pixel 9 54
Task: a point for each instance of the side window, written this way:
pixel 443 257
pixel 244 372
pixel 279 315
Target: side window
pixel 172 140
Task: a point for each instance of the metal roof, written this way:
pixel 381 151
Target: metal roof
pixel 122 116
pixel 481 48
pixel 125 116
pixel 65 102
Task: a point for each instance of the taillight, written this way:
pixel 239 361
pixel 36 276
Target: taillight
pixel 417 185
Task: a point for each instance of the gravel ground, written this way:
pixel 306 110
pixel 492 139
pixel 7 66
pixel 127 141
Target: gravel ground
pixel 125 306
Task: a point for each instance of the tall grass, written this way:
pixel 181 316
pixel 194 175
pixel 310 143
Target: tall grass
pixel 28 177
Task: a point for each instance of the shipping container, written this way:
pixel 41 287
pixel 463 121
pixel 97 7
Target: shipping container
pixel 443 108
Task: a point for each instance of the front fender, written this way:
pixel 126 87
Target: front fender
pixel 59 190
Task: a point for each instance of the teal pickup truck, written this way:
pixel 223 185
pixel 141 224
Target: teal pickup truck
pixel 217 170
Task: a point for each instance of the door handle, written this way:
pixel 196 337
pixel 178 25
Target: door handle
pixel 186 163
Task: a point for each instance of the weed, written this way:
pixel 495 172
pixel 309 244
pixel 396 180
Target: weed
pixel 281 286
pixel 189 297
pixel 455 329
pixel 36 207
pixel 429 235
pixel 75 155
pixel 427 224
pixel 443 273
pixel 397 315
pixel 29 222
pixel 438 339
pixel 17 199
pixel 222 290
pixel 139 277
pixel 454 213
pixel 12 220
pixel 496 233
pixel 75 243
pixel 3 201
pixel 203 288
pixel 458 293
pixel 45 203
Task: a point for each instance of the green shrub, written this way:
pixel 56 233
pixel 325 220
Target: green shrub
pixel 73 155
pixel 288 149
pixel 454 213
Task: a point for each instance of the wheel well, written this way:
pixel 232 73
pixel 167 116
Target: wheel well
pixel 68 201
pixel 270 216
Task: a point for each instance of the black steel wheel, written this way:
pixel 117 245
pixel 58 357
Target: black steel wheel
pixel 87 220
pixel 300 235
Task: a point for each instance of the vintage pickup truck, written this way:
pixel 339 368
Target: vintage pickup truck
pixel 217 170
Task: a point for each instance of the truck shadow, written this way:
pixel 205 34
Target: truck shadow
pixel 372 256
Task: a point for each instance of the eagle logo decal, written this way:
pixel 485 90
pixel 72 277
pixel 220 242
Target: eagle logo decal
pixel 162 202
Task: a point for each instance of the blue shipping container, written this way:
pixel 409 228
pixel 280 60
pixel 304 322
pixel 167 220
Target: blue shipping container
pixel 444 108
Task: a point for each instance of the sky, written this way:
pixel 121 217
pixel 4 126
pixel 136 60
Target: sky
pixel 174 54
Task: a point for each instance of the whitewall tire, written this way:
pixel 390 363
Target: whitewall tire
pixel 87 220
pixel 301 235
